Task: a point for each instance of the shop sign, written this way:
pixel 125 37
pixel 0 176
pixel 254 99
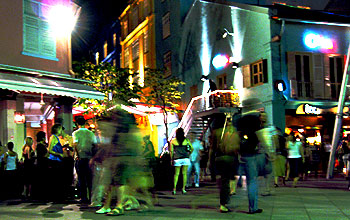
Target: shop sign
pixel 309 109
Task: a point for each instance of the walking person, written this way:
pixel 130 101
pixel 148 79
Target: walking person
pixel 295 157
pixel 226 148
pixel 247 126
pixel 195 160
pixel 180 150
pixel 84 142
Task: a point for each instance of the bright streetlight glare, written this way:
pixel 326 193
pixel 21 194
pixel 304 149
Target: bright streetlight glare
pixel 62 20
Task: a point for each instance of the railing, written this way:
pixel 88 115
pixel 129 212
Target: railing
pixel 205 102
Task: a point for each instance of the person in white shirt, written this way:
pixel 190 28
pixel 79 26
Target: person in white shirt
pixel 295 157
pixel 84 142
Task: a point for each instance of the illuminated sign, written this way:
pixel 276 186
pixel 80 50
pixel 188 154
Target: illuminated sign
pixel 317 41
pixel 309 109
pixel 20 118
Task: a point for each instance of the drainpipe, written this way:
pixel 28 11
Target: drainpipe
pixel 339 117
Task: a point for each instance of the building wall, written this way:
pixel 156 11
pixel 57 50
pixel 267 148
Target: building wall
pixel 202 41
pixel 12 42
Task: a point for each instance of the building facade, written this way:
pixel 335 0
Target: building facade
pixel 36 80
pixel 301 48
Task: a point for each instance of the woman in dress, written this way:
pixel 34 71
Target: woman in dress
pixel 28 166
pixel 180 151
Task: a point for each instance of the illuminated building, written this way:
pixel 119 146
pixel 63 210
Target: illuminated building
pixel 36 81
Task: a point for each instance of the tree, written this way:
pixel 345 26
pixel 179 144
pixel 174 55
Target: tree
pixel 114 82
pixel 163 92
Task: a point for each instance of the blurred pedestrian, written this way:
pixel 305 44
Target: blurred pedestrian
pixel 180 150
pixel 195 162
pixel 279 164
pixel 227 144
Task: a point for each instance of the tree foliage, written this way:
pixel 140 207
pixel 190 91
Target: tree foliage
pixel 163 92
pixel 113 82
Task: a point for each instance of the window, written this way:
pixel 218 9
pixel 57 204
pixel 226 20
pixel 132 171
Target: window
pixel 105 49
pixel 134 17
pixel 135 49
pixel 114 40
pixel 255 74
pixel 97 57
pixel 222 82
pixel 37 38
pixel 335 75
pixel 146 7
pixel 125 28
pixel 194 91
pixel 145 42
pixel 309 75
pixel 166 25
pixel 167 64
pixel 126 58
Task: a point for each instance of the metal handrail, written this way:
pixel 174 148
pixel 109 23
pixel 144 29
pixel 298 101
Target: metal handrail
pixel 197 104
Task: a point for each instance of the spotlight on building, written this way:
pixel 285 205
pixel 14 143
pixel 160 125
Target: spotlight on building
pixel 226 32
pixel 204 78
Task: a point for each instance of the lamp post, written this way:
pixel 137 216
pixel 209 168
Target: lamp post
pixel 339 117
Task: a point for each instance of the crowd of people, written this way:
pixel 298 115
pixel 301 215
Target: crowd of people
pixel 114 168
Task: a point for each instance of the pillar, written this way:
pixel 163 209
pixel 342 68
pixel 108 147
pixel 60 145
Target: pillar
pixel 64 113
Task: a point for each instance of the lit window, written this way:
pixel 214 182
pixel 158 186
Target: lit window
pixel 105 51
pixel 167 64
pixel 222 81
pixel 126 58
pixel 255 74
pixel 166 25
pixel 145 42
pixel 125 28
pixel 114 40
pixel 135 49
pixel 114 62
pixel 97 57
pixel 135 17
pixel 37 37
pixel 146 7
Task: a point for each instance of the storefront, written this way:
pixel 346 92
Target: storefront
pixel 315 121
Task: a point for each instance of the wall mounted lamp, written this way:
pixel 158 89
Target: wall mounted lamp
pixel 226 32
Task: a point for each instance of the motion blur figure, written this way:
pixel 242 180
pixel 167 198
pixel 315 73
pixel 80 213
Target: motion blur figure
pixel 126 175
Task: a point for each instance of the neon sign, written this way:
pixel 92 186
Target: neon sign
pixel 309 109
pixel 317 41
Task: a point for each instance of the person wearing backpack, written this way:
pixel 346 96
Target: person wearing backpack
pixel 226 158
pixel 247 126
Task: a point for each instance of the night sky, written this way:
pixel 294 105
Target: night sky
pixel 95 14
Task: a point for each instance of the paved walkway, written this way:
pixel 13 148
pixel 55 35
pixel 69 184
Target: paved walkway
pixel 315 199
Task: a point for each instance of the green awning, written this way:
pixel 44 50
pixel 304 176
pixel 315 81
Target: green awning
pixel 52 86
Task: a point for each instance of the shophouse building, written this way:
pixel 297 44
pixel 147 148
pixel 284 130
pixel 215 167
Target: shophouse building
pixel 264 48
pixel 37 84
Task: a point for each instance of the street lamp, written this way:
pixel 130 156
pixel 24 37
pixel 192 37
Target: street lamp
pixel 62 19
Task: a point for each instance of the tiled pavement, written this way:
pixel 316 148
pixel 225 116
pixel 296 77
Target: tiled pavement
pixel 315 199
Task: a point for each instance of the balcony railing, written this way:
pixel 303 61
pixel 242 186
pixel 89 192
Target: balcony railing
pixel 205 102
